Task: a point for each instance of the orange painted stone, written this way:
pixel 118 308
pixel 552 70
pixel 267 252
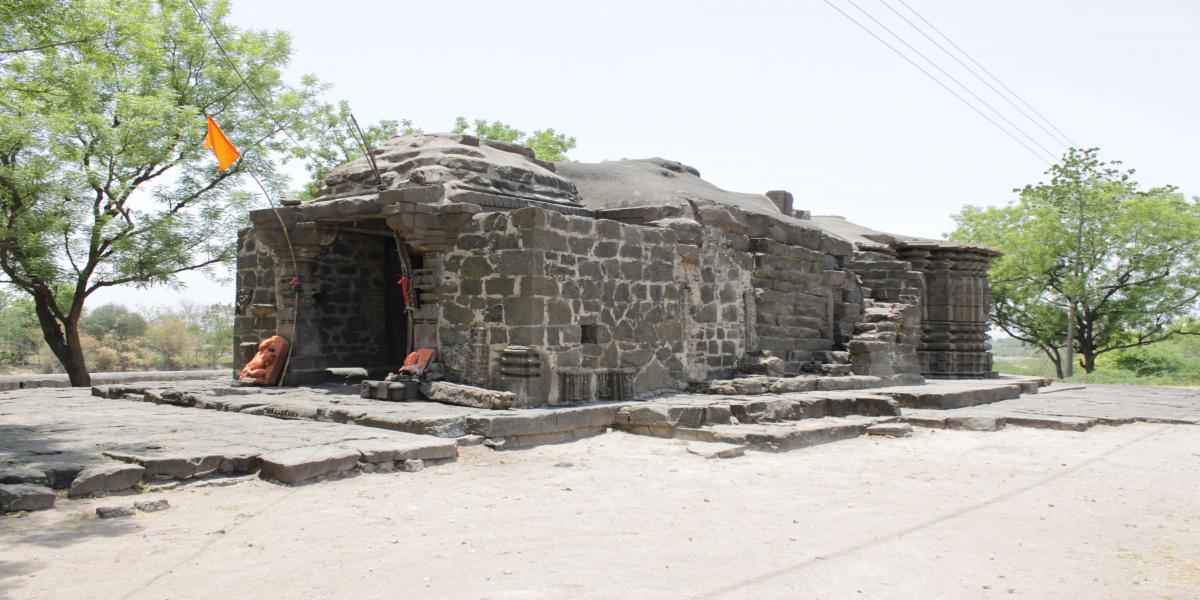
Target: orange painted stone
pixel 267 365
pixel 416 362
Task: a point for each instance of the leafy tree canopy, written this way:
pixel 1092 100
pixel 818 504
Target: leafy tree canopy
pixel 547 144
pixel 103 177
pixel 1126 258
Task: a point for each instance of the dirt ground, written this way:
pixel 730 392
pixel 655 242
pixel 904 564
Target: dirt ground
pixel 1113 512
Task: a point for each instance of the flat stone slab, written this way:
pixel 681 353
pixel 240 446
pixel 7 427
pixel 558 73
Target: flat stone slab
pixel 890 430
pixel 1074 408
pixel 59 380
pixel 944 396
pixel 25 496
pixel 87 444
pixel 782 437
pixel 112 477
pixel 297 465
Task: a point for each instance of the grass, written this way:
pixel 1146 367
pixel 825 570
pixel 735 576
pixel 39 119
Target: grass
pixel 1041 366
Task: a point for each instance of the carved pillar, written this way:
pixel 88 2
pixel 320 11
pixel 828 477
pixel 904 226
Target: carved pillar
pixel 298 318
pixel 954 336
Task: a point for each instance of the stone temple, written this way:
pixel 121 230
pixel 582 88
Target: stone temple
pixel 573 282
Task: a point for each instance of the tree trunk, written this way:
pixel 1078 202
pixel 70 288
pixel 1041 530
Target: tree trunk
pixel 1089 361
pixel 63 339
pixel 1070 370
pixel 74 362
pixel 1055 360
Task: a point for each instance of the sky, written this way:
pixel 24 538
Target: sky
pixel 762 95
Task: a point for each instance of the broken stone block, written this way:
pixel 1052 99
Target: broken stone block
pixel 716 449
pixel 297 465
pixel 412 465
pixel 152 505
pixel 25 496
pixel 716 414
pixel 975 423
pixel 110 477
pixel 389 450
pixel 113 512
pixel 890 429
pixel 23 475
pixel 165 465
pixel 469 440
pixel 467 395
pixel 793 384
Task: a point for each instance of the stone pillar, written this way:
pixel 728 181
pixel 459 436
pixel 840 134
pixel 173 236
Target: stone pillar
pixel 298 315
pixel 955 321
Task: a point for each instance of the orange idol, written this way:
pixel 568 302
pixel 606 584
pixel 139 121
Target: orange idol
pixel 267 365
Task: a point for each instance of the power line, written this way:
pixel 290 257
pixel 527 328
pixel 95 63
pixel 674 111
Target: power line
pixel 953 78
pixel 937 81
pixel 249 88
pixel 989 73
pixel 973 72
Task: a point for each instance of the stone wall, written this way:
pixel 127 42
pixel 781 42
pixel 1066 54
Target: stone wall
pixel 357 275
pixel 805 303
pixel 888 278
pixel 557 302
pixel 255 303
pixel 715 274
pixel 886 341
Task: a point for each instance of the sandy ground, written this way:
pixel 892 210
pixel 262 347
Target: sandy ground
pixel 1113 512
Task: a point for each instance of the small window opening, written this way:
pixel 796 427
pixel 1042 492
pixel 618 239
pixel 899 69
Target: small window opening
pixel 587 333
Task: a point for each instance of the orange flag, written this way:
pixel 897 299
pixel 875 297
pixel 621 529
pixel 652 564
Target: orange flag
pixel 221 146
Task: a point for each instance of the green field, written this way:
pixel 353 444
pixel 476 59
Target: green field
pixel 1173 362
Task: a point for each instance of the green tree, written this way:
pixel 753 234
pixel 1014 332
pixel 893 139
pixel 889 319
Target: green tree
pixel 334 141
pixel 115 320
pixel 18 329
pixel 170 336
pixel 104 180
pixel 1093 258
pixel 546 144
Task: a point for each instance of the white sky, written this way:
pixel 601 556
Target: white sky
pixel 768 95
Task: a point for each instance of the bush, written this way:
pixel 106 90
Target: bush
pixel 1156 360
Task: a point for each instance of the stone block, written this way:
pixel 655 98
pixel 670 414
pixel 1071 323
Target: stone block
pixel 524 311
pixel 975 423
pixel 114 512
pixel 466 395
pixel 23 475
pixel 110 477
pixel 686 416
pixel 25 496
pixel 649 415
pixel 717 414
pixel 165 465
pixel 297 465
pixel 793 384
pixel 890 429
pixel 716 449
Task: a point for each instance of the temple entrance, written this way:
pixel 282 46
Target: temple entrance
pixel 363 321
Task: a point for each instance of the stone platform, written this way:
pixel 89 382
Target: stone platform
pixel 65 439
pixel 659 416
pixel 1071 407
pixel 129 437
pixel 60 380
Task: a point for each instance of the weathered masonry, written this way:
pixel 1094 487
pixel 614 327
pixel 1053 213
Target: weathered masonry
pixel 573 282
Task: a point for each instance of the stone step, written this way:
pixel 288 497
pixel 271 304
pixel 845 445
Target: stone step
pixel 944 397
pixel 781 437
pixel 974 420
